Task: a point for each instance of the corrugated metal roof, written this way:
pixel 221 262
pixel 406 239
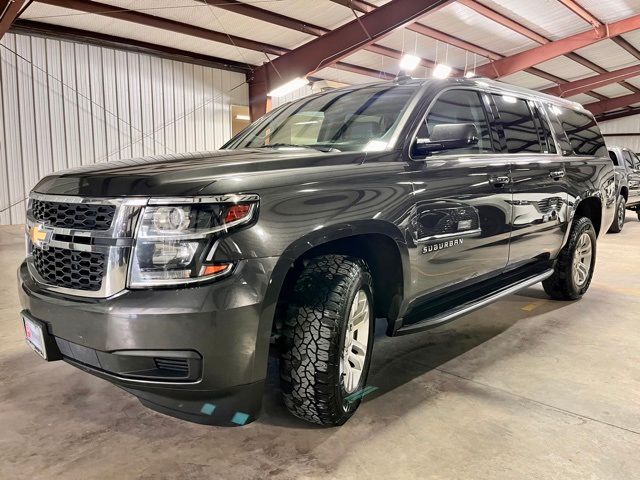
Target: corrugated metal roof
pixel 548 18
pixel 608 55
pixel 565 68
pixel 611 10
pixel 207 16
pixel 613 90
pixel 583 98
pixel 122 28
pixel 462 22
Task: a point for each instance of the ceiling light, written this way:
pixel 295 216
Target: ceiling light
pixel 243 117
pixel 288 87
pixel 442 71
pixel 470 74
pixel 409 62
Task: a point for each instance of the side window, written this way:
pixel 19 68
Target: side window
pixel 583 133
pixel 636 161
pixel 614 158
pixel 628 161
pixel 460 106
pixel 548 143
pixel 517 122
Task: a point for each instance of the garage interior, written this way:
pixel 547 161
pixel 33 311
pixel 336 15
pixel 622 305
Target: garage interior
pixel 525 388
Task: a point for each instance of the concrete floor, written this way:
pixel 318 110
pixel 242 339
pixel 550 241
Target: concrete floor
pixel 525 388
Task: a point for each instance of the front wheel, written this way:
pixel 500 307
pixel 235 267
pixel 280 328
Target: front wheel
pixel 618 221
pixel 328 337
pixel 575 264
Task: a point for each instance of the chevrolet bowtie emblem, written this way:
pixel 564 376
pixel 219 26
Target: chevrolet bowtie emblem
pixel 39 236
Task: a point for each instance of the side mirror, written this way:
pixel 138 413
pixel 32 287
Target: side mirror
pixel 447 136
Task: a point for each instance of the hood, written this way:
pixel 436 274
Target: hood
pixel 190 174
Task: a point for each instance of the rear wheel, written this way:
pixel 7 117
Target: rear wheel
pixel 575 264
pixel 618 221
pixel 328 337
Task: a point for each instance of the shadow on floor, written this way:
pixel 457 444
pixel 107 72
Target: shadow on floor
pixel 398 360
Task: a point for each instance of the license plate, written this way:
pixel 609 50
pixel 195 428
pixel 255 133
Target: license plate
pixel 34 333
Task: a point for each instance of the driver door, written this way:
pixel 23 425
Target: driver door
pixel 461 223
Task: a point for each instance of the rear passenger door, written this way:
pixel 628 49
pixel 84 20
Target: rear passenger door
pixel 538 180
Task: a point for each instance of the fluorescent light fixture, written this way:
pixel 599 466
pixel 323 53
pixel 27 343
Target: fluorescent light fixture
pixel 288 87
pixel 509 99
pixel 470 74
pixel 442 71
pixel 243 117
pixel 409 63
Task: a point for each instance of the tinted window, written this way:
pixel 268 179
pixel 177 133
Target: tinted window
pixel 636 161
pixel 343 120
pixel 628 161
pixel 519 127
pixel 613 157
pixel 460 106
pixel 548 143
pixel 583 133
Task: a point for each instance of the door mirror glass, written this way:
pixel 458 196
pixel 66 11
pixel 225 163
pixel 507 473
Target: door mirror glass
pixel 447 136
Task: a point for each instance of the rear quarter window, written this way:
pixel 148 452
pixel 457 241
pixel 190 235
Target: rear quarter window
pixel 583 133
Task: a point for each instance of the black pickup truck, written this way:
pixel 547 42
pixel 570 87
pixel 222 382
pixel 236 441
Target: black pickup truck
pixel 413 201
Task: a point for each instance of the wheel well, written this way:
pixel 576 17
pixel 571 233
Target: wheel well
pixel 625 193
pixel 592 209
pixel 381 254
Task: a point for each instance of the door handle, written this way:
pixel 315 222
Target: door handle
pixel 556 174
pixel 500 181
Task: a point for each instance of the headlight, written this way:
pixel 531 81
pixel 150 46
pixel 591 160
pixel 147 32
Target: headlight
pixel 175 243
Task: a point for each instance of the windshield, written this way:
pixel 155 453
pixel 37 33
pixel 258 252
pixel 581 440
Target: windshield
pixel 364 119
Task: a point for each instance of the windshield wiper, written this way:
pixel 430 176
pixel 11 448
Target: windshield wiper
pixel 320 148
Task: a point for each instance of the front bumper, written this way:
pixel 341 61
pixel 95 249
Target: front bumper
pixel 217 326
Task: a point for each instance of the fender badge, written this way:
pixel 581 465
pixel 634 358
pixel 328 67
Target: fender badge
pixel 442 245
pixel 40 236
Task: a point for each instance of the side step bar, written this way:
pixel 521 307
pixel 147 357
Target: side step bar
pixel 444 317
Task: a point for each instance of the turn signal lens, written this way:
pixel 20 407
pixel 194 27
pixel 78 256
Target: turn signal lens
pixel 237 212
pixel 214 269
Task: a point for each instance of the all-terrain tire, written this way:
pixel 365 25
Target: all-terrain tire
pixel 618 221
pixel 314 336
pixel 562 285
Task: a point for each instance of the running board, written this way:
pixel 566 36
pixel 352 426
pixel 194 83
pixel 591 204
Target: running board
pixel 447 316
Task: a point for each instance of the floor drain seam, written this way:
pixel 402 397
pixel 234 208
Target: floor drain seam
pixel 553 407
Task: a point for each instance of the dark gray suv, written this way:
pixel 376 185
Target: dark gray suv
pixel 415 201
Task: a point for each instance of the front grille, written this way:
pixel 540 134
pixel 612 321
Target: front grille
pixel 70 268
pixel 551 203
pixel 81 216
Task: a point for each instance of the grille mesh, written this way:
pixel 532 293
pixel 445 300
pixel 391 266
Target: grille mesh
pixel 70 268
pixel 73 215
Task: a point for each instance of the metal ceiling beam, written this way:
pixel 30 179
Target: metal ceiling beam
pixel 191 30
pixel 504 21
pixel 620 114
pixel 9 11
pixel 298 25
pixel 140 18
pixel 598 108
pixel 581 12
pixel 523 60
pixel 417 27
pixel 586 84
pixel 346 39
pixel 48 30
pixel 332 47
pixel 267 16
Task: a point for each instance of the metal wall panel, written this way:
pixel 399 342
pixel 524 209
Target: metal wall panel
pixel 65 104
